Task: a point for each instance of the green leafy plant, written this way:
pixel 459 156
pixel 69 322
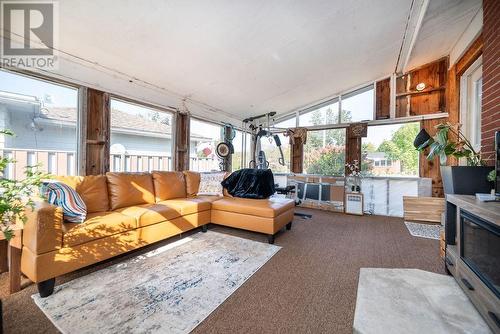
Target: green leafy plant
pixel 492 176
pixel 442 146
pixel 17 195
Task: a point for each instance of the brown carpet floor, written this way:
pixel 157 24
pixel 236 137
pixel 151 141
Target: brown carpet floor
pixel 307 287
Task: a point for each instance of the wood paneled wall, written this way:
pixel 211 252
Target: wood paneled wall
pixel 383 99
pixel 354 135
pixel 297 156
pixel 429 168
pixel 431 100
pixel 182 128
pixel 97 136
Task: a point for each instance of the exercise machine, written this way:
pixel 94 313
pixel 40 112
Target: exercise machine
pixel 261 126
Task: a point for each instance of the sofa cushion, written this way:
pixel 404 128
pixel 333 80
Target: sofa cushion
pixel 269 208
pixel 148 214
pixel 186 206
pixel 169 185
pixel 192 183
pixel 209 198
pixel 210 184
pixel 93 189
pixel 128 189
pixel 98 225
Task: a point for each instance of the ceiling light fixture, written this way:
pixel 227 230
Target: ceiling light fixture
pixel 420 87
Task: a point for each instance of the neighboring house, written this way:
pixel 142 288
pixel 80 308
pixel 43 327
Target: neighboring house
pixel 48 135
pixel 382 165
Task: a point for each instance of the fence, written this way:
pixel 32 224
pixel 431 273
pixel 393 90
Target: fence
pixel 139 163
pixel 60 162
pixel 384 195
pixel 51 161
pixel 203 164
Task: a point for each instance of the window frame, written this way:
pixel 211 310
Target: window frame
pixel 345 149
pixel 355 92
pixel 315 107
pixel 81 119
pixel 388 162
pixel 141 104
pixel 221 125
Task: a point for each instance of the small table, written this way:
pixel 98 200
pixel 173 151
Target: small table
pixel 10 257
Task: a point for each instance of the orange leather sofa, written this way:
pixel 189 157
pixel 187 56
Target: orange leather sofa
pixel 126 211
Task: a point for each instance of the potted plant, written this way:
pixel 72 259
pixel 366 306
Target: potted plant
pixel 353 177
pixel 16 195
pixel 469 179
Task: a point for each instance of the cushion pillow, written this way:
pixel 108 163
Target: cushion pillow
pixel 210 184
pixel 62 195
pixel 129 189
pixel 192 182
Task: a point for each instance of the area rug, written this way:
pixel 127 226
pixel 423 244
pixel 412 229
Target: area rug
pixel 168 290
pixel 429 231
pixel 413 301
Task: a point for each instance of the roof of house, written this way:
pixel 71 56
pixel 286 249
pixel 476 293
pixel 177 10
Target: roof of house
pixel 120 119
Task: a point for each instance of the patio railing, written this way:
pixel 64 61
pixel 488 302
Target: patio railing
pixel 203 164
pixel 60 162
pixel 139 163
pixel 56 162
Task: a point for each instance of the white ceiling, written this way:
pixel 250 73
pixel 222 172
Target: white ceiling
pixel 245 58
pixel 443 24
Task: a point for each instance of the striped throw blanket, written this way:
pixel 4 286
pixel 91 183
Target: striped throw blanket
pixel 60 194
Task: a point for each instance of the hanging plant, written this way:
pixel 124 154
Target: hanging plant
pixel 442 146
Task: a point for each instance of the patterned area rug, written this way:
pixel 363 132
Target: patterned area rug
pixel 430 231
pixel 169 290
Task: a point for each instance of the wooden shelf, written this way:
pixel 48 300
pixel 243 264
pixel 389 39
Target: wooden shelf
pixel 425 91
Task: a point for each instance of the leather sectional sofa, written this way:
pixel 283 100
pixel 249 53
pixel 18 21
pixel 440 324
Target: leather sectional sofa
pixel 126 211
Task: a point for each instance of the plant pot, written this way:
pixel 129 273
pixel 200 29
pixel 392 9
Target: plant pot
pixel 466 180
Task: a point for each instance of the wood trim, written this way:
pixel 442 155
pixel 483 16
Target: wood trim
pixel 228 162
pixel 97 136
pixel 470 56
pixel 4 262
pixel 182 130
pixel 453 83
pixel 383 99
pixel 297 156
pixel 423 209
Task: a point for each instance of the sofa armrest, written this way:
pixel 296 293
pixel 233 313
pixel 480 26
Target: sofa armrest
pixel 43 230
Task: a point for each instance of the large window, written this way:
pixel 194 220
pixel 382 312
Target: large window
pixel 268 145
pixel 358 105
pixel 288 123
pixel 204 138
pixel 388 150
pixel 43 115
pixel 326 113
pixel 324 152
pixel 237 157
pixel 141 138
